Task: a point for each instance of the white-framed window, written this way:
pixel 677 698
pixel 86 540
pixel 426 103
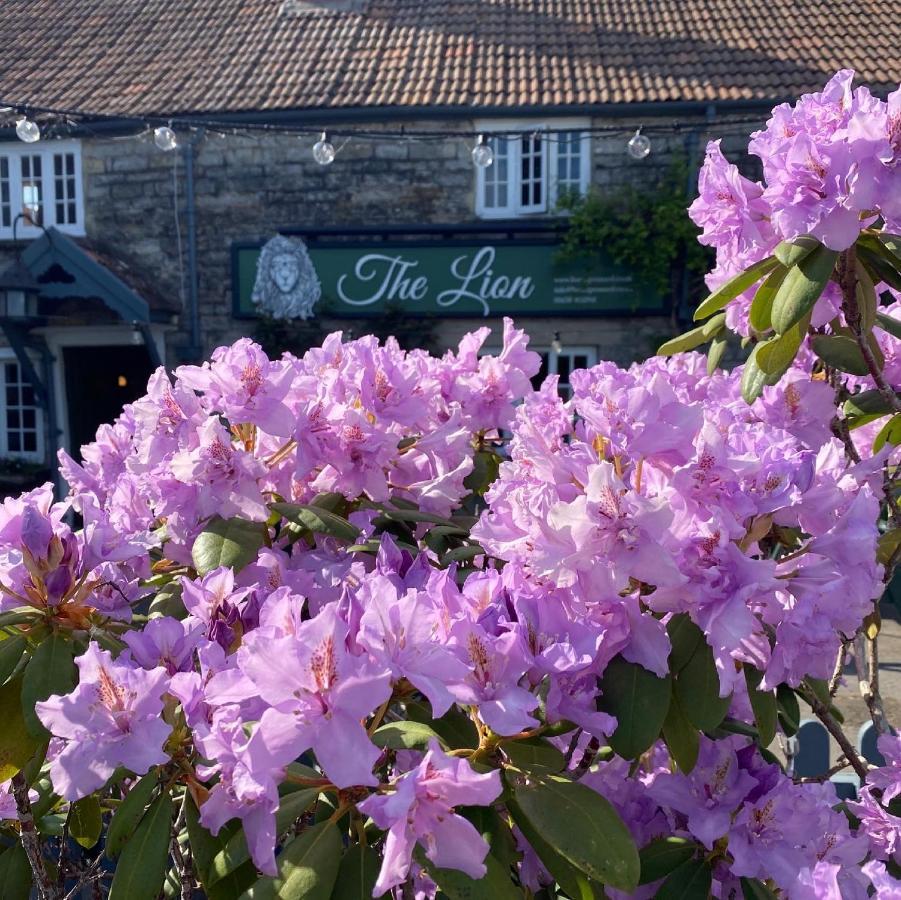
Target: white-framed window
pixel 535 165
pixel 21 421
pixel 43 181
pixel 562 363
pixel 557 362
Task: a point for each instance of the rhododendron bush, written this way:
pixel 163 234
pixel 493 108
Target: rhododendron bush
pixel 372 623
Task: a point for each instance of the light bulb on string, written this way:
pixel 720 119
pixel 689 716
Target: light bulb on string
pixel 557 344
pixel 482 154
pixel 639 146
pixel 165 138
pixel 27 131
pixel 324 150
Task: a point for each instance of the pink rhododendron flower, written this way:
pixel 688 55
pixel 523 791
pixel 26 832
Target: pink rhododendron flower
pixel 113 718
pixel 421 810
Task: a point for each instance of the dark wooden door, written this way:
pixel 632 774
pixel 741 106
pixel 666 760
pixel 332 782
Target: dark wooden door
pixel 99 381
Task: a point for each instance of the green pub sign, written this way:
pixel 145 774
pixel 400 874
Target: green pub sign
pixel 431 278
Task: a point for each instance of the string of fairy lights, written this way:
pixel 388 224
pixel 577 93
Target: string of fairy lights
pixel 169 133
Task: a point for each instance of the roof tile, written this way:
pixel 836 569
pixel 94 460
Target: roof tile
pixel 155 57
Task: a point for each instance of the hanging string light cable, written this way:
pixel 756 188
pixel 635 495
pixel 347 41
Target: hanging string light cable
pixel 26 119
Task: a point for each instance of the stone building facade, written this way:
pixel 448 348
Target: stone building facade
pixel 117 256
pixel 248 188
pixel 165 226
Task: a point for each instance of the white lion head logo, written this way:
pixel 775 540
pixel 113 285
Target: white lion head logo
pixel 286 286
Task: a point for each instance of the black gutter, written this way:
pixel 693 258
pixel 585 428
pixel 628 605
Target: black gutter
pixel 488 226
pixel 316 116
pixel 194 350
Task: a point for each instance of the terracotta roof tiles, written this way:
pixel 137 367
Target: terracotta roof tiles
pixel 170 57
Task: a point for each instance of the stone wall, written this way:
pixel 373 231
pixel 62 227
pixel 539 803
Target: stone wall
pixel 246 187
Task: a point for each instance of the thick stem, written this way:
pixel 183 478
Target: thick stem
pixel 832 726
pixel 851 309
pixel 869 684
pixel 588 757
pixel 836 678
pixel 868 680
pixel 31 841
pixel 819 779
pixel 182 860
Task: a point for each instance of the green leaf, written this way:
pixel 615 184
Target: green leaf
pixel 417 515
pixel 168 602
pixel 889 434
pixel 775 355
pixel 639 700
pixel 684 638
pixel 880 264
pixel 17 743
pixel 753 378
pixel 859 421
pixel 763 703
pixel 681 736
pixel 752 889
pixel 330 500
pixel 889 324
pixel 307 867
pixel 457 885
pixel 735 726
pixel 820 689
pixel 840 352
pixel 51 670
pixel 12 649
pixel 561 727
pixel 455 727
pixel 19 616
pixel 576 884
pixel 406 735
pixel 485 469
pixel 495 830
pixel 697 688
pixel 790 253
pixel 865 295
pixel 868 403
pixel 236 852
pixel 129 813
pixel 892 242
pixel 663 856
pixel 534 755
pixel 15 874
pixel 760 313
pixel 715 354
pixel 204 847
pixel 691 881
pixel 464 554
pixel 801 288
pixel 582 827
pixel 86 821
pixel 694 338
pixel 737 285
pixel 144 859
pixel 357 874
pixel 318 520
pixel 888 545
pixel 788 710
pixel 227 542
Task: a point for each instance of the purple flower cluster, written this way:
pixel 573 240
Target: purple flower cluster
pixel 349 417
pixel 660 496
pixel 831 167
pixel 433 572
pixel 753 821
pixel 655 491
